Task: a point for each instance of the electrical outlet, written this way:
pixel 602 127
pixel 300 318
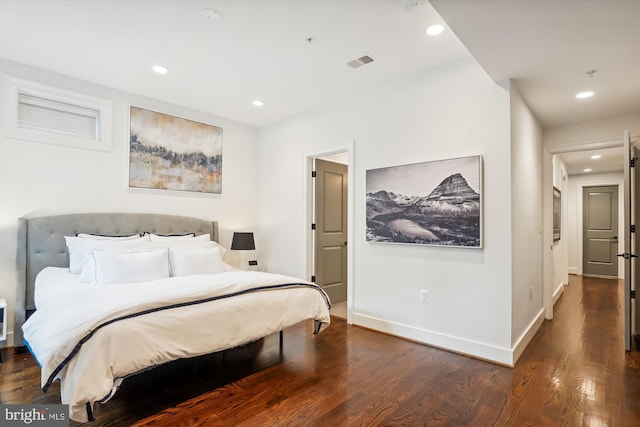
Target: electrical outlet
pixel 424 296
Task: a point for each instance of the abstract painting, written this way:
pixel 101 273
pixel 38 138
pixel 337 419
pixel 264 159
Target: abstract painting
pixel 431 203
pixel 172 153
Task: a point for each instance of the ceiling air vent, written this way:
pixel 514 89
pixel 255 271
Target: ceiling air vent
pixel 363 60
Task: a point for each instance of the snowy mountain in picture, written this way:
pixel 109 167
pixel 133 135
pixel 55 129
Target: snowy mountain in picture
pixel 453 195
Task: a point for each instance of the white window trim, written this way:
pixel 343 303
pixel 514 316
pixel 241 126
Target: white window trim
pixel 14 86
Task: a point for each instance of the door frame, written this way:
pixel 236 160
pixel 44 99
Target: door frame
pixel 580 222
pixel 547 214
pixel 631 241
pixel 308 213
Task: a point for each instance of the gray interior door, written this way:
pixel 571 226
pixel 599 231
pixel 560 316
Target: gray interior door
pixel 331 229
pixel 634 283
pixel 631 242
pixel 600 233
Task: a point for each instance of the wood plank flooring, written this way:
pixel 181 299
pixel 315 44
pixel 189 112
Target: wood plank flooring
pixel 574 373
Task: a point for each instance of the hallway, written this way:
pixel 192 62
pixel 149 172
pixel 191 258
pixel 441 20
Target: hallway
pixel 577 363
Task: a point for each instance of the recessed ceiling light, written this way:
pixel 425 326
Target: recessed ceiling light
pixel 160 69
pixel 435 29
pixel 258 102
pixel 585 94
pixel 596 156
pixel 586 170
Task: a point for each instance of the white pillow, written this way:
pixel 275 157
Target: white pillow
pixel 87 269
pixel 129 267
pixel 187 261
pixel 103 237
pixel 192 243
pixel 76 246
pixel 187 236
pixel 157 237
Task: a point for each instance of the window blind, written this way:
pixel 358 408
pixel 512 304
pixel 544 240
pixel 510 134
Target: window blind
pixel 49 115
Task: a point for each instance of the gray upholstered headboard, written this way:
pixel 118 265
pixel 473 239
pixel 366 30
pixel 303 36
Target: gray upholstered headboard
pixel 41 243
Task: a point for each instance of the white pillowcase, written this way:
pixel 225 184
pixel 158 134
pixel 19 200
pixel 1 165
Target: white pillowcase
pixel 187 261
pixel 87 270
pixel 156 237
pixel 129 267
pixel 102 237
pixel 192 243
pixel 77 245
pixel 188 236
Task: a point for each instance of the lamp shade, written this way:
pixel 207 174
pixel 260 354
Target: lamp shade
pixel 243 242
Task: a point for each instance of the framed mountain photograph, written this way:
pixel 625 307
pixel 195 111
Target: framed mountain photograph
pixel 436 203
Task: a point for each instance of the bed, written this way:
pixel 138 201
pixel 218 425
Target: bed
pixel 142 294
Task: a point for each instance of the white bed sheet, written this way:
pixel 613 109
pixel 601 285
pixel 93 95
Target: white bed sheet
pixel 67 310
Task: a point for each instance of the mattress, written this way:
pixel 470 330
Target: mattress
pixel 91 337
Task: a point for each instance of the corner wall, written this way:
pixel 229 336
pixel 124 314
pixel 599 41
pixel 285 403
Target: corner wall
pixel 561 247
pixel 51 178
pixel 451 111
pixel 527 307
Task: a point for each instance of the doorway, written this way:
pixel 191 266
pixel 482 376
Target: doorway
pixel 564 168
pixel 331 241
pixel 600 231
pixel 337 154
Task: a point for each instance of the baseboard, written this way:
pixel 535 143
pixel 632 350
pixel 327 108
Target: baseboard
pixel 527 336
pixel 558 293
pixel 490 353
pixel 573 270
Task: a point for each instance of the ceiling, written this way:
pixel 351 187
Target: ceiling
pixel 293 54
pixel 548 48
pixel 257 49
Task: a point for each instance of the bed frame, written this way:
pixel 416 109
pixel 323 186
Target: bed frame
pixel 41 243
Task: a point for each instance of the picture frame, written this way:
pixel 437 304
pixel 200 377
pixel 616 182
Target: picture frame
pixel 557 214
pixel 173 153
pixel 433 203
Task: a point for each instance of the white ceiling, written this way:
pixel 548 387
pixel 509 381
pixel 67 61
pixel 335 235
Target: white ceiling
pixel 611 160
pixel 260 49
pixel 257 49
pixel 548 47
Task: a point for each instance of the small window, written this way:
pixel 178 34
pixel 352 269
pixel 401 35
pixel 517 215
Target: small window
pixel 46 114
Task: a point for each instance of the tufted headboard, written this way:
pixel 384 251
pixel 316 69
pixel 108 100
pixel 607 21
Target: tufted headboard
pixel 41 243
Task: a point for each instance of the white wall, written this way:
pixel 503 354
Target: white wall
pixel 452 111
pixel 574 215
pixel 51 178
pixel 526 221
pixel 561 247
pixel 604 132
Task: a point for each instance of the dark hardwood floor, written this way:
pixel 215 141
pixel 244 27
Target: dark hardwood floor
pixel 574 373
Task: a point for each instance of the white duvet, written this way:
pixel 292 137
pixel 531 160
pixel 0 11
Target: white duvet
pixel 68 337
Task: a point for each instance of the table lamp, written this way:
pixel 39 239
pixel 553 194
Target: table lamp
pixel 243 241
